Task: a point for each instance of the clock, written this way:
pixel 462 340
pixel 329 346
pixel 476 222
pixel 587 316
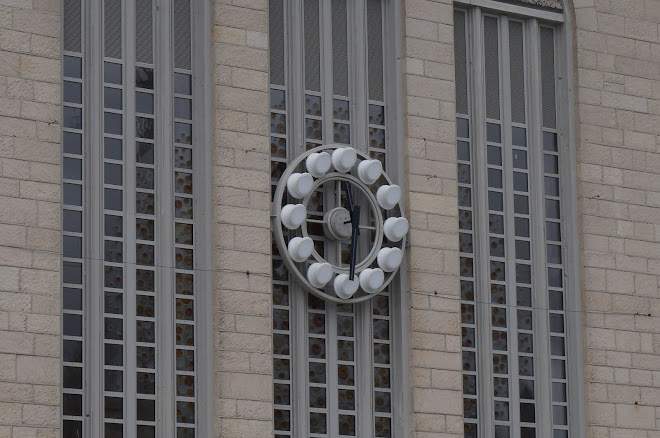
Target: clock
pixel 338 223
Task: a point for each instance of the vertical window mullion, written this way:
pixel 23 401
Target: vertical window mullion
pixel 164 230
pixel 510 247
pixel 129 217
pixel 539 289
pixel 481 244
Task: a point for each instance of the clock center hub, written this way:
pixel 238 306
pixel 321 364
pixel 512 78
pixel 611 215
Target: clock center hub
pixel 338 224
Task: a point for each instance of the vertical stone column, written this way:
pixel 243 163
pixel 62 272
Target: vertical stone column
pixel 618 94
pixel 29 218
pixel 429 123
pixel 242 221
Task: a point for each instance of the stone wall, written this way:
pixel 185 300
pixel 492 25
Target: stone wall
pixel 242 326
pixel 430 153
pixel 618 74
pixel 29 218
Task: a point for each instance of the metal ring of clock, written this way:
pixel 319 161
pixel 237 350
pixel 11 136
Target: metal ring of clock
pixel 326 279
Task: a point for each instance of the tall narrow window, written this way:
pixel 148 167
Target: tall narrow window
pixel 332 362
pixel 510 205
pixel 132 296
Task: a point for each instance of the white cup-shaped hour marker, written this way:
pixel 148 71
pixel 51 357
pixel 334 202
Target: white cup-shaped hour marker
pixel 388 196
pixel 318 163
pixel 395 228
pixel 293 215
pixel 389 259
pixel 369 171
pixel 371 279
pixel 345 287
pixel 300 248
pixel 344 159
pixel 319 274
pixel 300 184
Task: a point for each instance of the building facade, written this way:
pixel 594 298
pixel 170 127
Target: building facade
pixel 142 293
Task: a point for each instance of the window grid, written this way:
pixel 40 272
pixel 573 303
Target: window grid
pixel 332 110
pixel 184 253
pixel 115 319
pixel 73 302
pixel 512 198
pixel 146 300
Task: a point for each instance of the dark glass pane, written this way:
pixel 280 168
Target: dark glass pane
pixel 182 83
pixel 277 99
pixel 144 127
pixel 557 346
pixel 144 229
pixel 72 272
pixel 524 319
pixel 551 163
pixel 183 108
pixel 113 354
pixel 183 182
pixel 317 423
pixel 72 247
pixel 347 424
pixel 313 129
pixel 144 203
pixel 184 258
pixel 495 178
pixel 113 329
pixel 112 148
pixel 383 427
pixel 72 66
pixel 524 296
pixel 526 389
pixel 144 103
pixel 469 361
pixel 72 404
pixel 501 411
pixel 72 325
pixel 113 225
pixel 72 377
pixel 72 351
pixel 462 128
pixel 113 277
pixel 112 73
pixel 281 394
pixel 342 133
pixel 145 358
pixel 465 242
pixel 282 419
pixel 317 348
pixel 550 141
pixel 376 115
pixel 312 105
pixel 72 92
pixel 144 305
pixel 499 340
pixel 112 98
pixel 317 398
pixel 527 413
pixel 498 316
pixel 466 266
pixel 112 174
pixel 463 150
pixel 185 412
pixel 556 323
pixel 526 366
pixel 464 173
pixel 72 143
pixel 114 380
pixel 551 186
pixel 144 153
pixel 144 280
pixel 113 430
pixel 146 409
pixel 144 78
pixel 112 123
pixel 145 331
pixel 519 159
pixel 183 133
pixel 497 246
pixel 464 197
pixel 525 343
pixel 114 407
pixel 185 309
pixel 502 432
pixel 465 220
pixel 345 375
pixel 497 294
pixel 496 224
pixel 553 231
pixel 520 204
pixel 559 415
pixel 494 155
pixel 500 387
pixel 518 136
pixel 558 369
pixel 71 298
pixel 381 377
pixel 376 138
pixel 520 182
pixel 497 271
pixel 113 302
pixel 72 117
pixel 522 227
pixel 495 201
pixel 522 250
pixel 555 277
pixel 500 364
pixel 340 110
pixel 554 254
pixel 469 384
pixel 113 199
pixel 556 300
pixel 347 399
pixel 493 133
pixel 558 392
pixel 317 372
pixel 144 178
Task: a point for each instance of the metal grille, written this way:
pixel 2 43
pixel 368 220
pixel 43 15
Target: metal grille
pixel 312 46
pixel 182 37
pixel 517 72
pixel 144 31
pixel 276 30
pixel 460 54
pixel 112 27
pixel 492 67
pixel 72 25
pixel 339 48
pixel 375 48
pixel 548 77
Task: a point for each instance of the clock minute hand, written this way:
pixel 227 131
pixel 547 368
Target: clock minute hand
pixel 355 221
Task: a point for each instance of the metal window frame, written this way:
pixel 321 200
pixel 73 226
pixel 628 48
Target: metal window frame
pixel 564 65
pixel 358 78
pixel 93 249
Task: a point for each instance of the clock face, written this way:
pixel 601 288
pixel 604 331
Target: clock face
pixel 338 224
